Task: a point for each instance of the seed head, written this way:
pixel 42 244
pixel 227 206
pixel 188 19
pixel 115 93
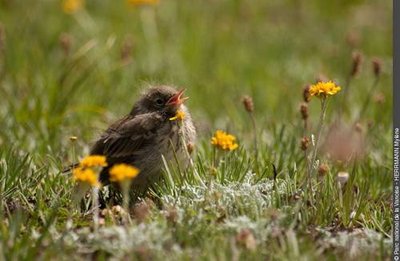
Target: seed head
pixel 323 169
pixel 306 94
pixel 357 58
pixel 304 111
pixel 248 103
pixel 305 142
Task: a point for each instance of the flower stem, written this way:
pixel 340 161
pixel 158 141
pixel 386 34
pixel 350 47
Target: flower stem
pixel 324 103
pixel 95 197
pixel 191 163
pixel 345 94
pixel 307 160
pixel 125 200
pixel 214 158
pixel 367 100
pixel 253 122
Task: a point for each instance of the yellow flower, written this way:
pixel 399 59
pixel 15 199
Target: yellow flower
pixel 323 89
pixel 224 141
pixel 93 161
pixel 85 175
pixel 122 172
pixel 72 6
pixel 180 115
pixel 142 2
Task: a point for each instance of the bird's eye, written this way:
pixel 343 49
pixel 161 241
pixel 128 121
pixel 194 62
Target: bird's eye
pixel 159 101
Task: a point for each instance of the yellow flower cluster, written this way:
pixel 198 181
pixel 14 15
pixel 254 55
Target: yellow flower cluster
pixel 142 2
pixel 87 176
pixel 84 172
pixel 323 89
pixel 180 115
pixel 122 172
pixel 224 141
pixel 72 6
pixel 93 161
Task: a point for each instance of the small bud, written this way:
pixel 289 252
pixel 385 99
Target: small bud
pixel 306 94
pixel 304 111
pixel 73 138
pixel 65 41
pixel 357 61
pixel 248 103
pixel 377 66
pixel 305 142
pixel 190 147
pixel 323 169
pixel 342 178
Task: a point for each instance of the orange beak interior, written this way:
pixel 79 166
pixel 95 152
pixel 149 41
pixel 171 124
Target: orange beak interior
pixel 177 99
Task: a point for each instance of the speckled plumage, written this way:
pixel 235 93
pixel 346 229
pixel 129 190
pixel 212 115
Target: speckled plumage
pixel 146 134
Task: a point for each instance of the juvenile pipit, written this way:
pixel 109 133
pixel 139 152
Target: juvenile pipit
pixel 151 130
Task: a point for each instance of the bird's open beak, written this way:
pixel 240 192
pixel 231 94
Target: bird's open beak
pixel 177 99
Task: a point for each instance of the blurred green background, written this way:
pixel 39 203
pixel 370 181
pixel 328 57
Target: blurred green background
pixel 65 75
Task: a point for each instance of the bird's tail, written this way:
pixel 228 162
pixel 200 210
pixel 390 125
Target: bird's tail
pixel 69 168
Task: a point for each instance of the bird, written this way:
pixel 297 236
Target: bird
pixel 146 135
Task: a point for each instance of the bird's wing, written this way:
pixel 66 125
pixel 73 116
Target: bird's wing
pixel 128 135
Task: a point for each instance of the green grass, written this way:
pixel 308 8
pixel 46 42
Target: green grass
pixel 219 51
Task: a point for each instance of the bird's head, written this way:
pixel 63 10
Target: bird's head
pixel 164 99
